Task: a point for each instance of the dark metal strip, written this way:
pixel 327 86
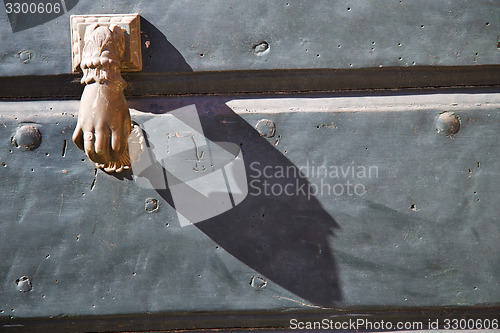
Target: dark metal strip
pixel 247 319
pixel 272 81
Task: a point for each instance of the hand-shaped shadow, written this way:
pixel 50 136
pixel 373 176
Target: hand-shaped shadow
pixel 286 238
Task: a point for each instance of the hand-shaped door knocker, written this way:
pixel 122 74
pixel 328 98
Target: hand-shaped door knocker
pixel 104 122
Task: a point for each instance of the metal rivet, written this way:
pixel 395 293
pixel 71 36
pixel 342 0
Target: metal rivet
pixel 25 56
pixel 261 48
pixel 23 284
pixel 258 283
pixel 266 128
pixel 448 123
pixel 152 205
pixel 28 137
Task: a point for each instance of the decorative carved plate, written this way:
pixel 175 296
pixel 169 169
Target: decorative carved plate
pixel 132 59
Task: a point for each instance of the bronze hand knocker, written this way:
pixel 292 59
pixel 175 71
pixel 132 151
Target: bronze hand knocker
pixel 104 122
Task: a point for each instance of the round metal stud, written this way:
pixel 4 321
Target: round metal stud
pixel 28 137
pixel 23 284
pixel 266 128
pixel 261 48
pixel 448 123
pixel 152 205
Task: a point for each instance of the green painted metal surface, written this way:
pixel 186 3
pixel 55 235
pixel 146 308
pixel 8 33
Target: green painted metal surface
pixel 422 232
pixel 225 35
pixel 356 205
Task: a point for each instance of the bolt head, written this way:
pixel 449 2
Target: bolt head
pixel 448 123
pixel 266 128
pixel 151 205
pixel 23 284
pixel 27 137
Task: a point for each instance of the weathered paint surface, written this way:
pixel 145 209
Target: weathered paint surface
pixel 422 233
pixel 240 35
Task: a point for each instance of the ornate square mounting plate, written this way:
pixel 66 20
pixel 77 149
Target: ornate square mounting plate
pixel 132 60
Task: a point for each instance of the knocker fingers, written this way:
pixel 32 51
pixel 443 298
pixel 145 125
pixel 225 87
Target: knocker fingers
pixel 89 145
pixel 117 144
pixel 78 137
pixel 103 145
